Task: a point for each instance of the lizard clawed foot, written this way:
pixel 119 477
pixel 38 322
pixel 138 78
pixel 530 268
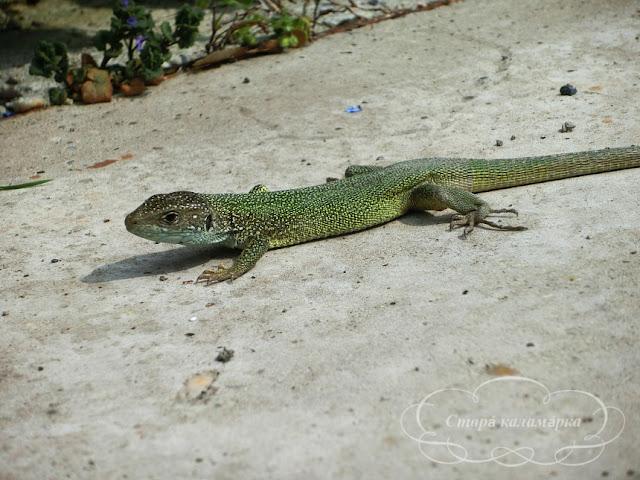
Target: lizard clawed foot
pixel 219 273
pixel 469 221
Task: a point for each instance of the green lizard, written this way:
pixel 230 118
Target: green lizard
pixel 368 195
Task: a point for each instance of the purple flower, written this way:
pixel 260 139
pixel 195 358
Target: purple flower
pixel 139 41
pixel 131 21
pixel 124 3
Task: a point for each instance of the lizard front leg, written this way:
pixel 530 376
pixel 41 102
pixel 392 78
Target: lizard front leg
pixel 247 259
pixel 472 210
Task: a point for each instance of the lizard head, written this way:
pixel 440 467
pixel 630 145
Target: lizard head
pixel 178 217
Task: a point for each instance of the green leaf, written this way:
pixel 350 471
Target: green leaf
pixel 245 36
pixel 109 43
pixel 165 28
pixel 98 87
pixel 133 68
pixel 188 21
pixel 79 74
pixel 241 4
pixel 291 31
pixel 152 57
pixel 50 58
pixel 25 185
pixel 101 39
pixel 288 42
pixel 57 96
pixel 122 22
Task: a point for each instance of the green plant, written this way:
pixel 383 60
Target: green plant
pixel 50 58
pixel 25 185
pixel 144 48
pixel 291 31
pixel 246 31
pixel 249 24
pixel 132 33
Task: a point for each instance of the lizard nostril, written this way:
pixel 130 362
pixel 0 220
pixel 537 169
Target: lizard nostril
pixel 207 225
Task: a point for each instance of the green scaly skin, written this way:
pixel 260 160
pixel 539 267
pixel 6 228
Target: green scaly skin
pixel 368 195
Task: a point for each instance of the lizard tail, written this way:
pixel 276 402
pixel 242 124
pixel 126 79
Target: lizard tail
pixel 496 174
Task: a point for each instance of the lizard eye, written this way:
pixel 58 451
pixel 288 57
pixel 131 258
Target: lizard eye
pixel 170 218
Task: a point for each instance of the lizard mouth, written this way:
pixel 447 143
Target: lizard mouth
pixel 190 235
pixel 158 235
pixel 130 223
pixel 151 232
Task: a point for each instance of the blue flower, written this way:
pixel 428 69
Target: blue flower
pixel 131 21
pixel 124 3
pixel 139 41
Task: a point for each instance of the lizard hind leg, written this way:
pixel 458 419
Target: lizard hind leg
pixel 472 210
pixel 469 220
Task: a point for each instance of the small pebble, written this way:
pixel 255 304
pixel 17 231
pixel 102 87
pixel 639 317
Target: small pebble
pixel 198 387
pixel 224 355
pixel 25 104
pixel 9 93
pixel 567 127
pixel 568 89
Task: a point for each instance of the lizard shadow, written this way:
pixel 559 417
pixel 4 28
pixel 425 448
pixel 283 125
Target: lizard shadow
pixel 158 263
pixel 182 258
pixel 443 218
pixel 421 219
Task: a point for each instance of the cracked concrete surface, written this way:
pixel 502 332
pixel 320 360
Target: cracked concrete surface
pixel 333 340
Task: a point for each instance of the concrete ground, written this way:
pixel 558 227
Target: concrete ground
pixel 108 360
